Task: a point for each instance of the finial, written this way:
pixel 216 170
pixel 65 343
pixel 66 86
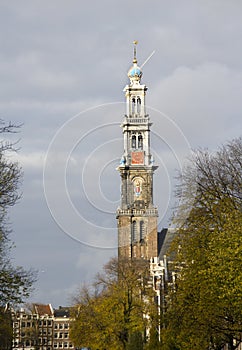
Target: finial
pixel 135 72
pixel 135 42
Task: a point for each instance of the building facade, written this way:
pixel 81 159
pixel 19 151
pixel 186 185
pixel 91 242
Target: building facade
pixel 137 215
pixel 61 325
pixel 42 328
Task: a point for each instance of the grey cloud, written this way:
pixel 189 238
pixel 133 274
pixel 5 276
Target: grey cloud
pixel 59 58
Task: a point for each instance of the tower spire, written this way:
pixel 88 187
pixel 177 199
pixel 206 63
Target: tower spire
pixel 135 72
pixel 135 42
pixel 137 215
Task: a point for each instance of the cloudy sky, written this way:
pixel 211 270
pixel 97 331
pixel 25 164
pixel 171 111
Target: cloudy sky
pixel 63 69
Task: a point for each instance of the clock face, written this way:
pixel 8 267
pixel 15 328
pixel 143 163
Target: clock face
pixel 137 158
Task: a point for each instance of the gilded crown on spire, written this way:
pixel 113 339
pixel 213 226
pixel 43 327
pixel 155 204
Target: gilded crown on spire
pixel 135 72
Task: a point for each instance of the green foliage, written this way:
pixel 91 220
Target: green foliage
pixel 15 283
pixel 112 314
pixel 205 310
pixel 135 341
pixel 153 341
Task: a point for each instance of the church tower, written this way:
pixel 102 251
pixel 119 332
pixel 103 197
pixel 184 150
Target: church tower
pixel 137 216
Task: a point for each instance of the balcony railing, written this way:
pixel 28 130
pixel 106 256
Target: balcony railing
pixel 137 212
pixel 136 120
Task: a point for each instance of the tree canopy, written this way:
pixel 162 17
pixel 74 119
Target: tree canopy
pixel 15 282
pixel 205 310
pixel 115 312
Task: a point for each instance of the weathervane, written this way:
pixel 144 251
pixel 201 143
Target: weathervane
pixel 135 42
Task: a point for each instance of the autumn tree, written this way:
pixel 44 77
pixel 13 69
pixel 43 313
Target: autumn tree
pixel 115 312
pixel 6 331
pixel 205 310
pixel 15 282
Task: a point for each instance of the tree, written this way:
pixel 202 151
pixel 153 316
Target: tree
pixel 205 310
pixel 210 178
pixel 6 331
pixel 33 335
pixel 15 282
pixel 116 311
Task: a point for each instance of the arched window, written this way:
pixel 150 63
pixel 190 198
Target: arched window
pixel 133 105
pixel 134 231
pixel 133 141
pixel 142 230
pixel 138 105
pixel 140 141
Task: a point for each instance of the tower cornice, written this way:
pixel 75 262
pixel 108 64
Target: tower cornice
pixel 140 168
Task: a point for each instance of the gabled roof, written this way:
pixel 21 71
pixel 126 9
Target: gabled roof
pixel 43 309
pixel 165 238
